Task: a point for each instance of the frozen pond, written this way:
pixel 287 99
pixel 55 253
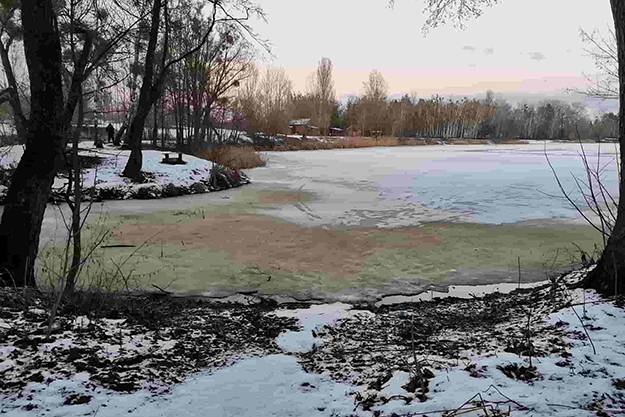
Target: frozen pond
pixel 402 186
pixel 500 204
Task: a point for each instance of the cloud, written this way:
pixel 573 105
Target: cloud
pixel 469 48
pixel 537 56
pixel 489 51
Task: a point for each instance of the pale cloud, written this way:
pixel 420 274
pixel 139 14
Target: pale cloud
pixel 537 56
pixel 469 48
pixel 489 51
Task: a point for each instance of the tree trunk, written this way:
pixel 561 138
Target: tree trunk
pixel 163 131
pixel 148 95
pixel 135 135
pixel 155 127
pixel 118 137
pixel 76 187
pixel 98 142
pixel 28 194
pixel 607 277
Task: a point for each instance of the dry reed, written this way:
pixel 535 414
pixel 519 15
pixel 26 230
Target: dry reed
pixel 234 157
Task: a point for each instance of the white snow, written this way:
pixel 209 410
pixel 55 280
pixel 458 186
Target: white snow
pixel 108 174
pixel 276 385
pixel 459 291
pixel 311 319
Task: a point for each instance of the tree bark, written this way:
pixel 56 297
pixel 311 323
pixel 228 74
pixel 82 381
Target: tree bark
pixel 76 188
pixel 28 194
pixel 155 126
pixel 148 95
pixel 607 277
pixel 135 135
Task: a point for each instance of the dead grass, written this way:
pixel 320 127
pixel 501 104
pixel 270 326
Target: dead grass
pixel 467 142
pixel 245 157
pixel 514 142
pixel 291 144
pixel 235 157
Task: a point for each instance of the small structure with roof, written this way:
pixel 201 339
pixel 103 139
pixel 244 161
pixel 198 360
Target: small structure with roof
pixel 303 127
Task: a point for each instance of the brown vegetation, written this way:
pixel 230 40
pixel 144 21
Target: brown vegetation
pixel 291 144
pixel 247 157
pixel 349 143
pixel 234 157
pixel 513 142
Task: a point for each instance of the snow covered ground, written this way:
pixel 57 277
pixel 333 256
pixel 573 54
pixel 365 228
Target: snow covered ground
pixel 105 181
pixel 341 361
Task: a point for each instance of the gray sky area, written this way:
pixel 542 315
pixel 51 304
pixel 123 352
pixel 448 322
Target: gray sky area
pixel 529 48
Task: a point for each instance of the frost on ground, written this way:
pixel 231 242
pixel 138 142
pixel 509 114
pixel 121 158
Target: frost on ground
pixel 102 179
pixel 545 351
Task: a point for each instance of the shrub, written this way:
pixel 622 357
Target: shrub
pixel 234 157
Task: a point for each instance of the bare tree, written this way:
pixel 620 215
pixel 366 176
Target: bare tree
pixel 45 140
pixel 603 51
pixel 266 100
pixel 211 76
pixel 458 11
pixel 374 101
pixel 236 14
pixel 275 92
pixel 47 129
pixel 323 94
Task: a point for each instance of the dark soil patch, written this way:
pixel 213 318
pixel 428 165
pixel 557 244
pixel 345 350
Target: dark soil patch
pixel 520 372
pixel 153 342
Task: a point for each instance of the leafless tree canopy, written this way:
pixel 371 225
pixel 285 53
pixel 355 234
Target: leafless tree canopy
pixel 457 11
pixel 603 51
pixel 266 100
pixel 322 93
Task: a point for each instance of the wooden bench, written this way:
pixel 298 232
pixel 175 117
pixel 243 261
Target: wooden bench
pixel 167 160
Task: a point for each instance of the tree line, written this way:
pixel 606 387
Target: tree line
pixel 263 102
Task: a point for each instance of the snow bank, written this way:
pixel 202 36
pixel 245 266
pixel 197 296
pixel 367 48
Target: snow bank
pixel 105 181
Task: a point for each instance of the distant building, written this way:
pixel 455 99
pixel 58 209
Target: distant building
pixel 336 131
pixel 303 127
pixel 353 132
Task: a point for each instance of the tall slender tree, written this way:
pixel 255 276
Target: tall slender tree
pixel 323 94
pixel 46 134
pixel 47 129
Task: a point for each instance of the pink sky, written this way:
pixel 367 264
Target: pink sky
pixel 520 46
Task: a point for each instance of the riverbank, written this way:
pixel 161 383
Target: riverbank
pixel 103 180
pixel 550 351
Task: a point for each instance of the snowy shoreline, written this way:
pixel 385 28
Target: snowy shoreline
pixel 105 182
pixel 439 357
